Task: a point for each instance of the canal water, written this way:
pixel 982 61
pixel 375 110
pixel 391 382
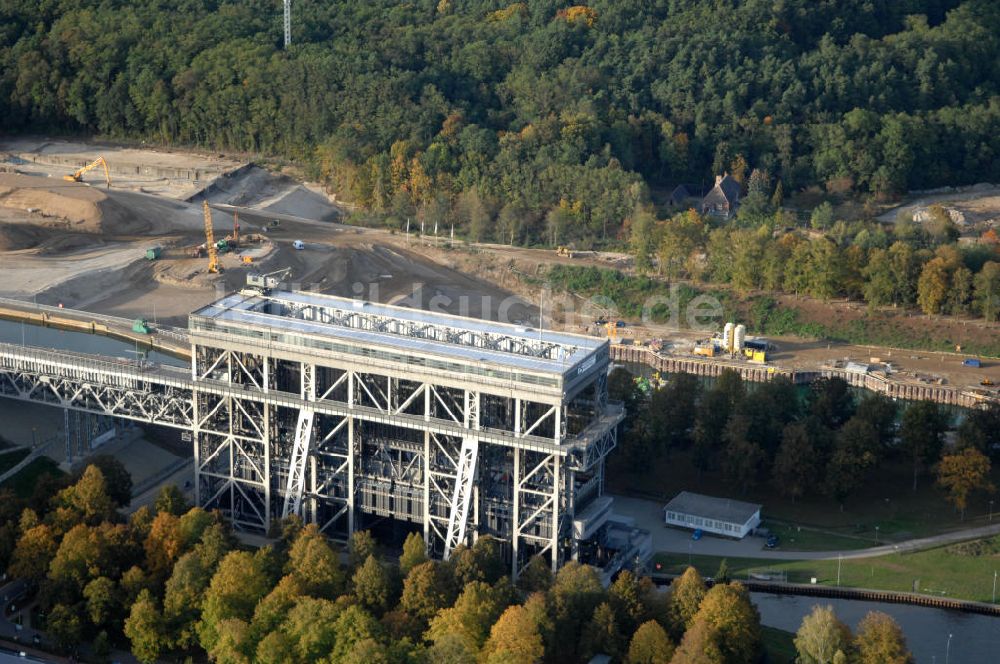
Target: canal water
pixel 975 638
pixel 33 335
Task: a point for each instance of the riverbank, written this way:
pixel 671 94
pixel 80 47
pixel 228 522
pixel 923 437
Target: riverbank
pixel 963 571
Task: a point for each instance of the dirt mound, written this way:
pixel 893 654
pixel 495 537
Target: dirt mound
pixel 84 208
pixel 14 237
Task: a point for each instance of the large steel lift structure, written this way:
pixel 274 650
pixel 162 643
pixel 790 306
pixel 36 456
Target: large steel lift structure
pixel 348 413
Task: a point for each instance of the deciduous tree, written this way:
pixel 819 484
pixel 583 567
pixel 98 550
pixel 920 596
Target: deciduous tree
pixel 921 431
pixel 514 639
pixel 880 640
pixel 316 565
pixel 962 473
pixel 374 586
pixel 414 553
pixel 650 645
pixel 144 629
pixel 686 595
pixel 821 637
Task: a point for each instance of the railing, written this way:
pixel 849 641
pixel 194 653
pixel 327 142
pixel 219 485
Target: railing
pixel 131 373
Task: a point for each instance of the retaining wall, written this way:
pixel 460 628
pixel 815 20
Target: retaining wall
pixel 710 367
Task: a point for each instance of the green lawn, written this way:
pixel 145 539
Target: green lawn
pixel 778 645
pixel 798 538
pixel 886 501
pixel 23 483
pixel 962 571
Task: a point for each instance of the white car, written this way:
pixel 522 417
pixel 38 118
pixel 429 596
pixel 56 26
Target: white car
pixel 299 244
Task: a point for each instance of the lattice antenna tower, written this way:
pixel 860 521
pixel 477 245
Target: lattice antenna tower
pixel 288 23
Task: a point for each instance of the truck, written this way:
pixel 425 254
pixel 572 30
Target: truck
pixel 141 325
pixel 153 253
pixel 972 362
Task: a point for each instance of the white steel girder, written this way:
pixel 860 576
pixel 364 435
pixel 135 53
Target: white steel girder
pixel 461 497
pixel 297 468
pixel 465 476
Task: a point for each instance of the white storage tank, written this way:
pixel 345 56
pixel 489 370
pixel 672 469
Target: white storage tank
pixel 727 337
pixel 739 338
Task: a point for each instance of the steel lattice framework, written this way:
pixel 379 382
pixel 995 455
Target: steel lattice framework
pixel 290 414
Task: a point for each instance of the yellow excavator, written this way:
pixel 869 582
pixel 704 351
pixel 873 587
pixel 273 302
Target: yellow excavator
pixel 78 176
pixel 213 254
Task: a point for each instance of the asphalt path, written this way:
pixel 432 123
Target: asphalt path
pixel 648 514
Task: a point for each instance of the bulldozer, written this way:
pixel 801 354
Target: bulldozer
pixel 564 251
pixel 78 175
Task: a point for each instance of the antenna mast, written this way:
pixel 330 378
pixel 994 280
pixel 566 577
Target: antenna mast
pixel 288 23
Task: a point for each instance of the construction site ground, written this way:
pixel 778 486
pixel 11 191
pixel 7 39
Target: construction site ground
pixel 83 245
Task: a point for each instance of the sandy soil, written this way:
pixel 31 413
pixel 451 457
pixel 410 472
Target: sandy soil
pixel 170 174
pixel 979 204
pixel 84 246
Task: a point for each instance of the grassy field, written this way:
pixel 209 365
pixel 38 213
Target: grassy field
pixel 887 501
pixel 962 571
pixel 798 538
pixel 23 483
pixel 778 645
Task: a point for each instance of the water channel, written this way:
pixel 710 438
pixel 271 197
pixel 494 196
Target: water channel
pixel 13 332
pixel 975 639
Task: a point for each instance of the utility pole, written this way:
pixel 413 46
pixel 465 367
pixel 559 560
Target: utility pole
pixel 839 558
pixel 288 23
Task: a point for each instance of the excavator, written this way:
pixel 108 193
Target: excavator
pixel 214 267
pixel 78 176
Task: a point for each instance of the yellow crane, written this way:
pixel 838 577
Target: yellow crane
pixel 213 254
pixel 78 176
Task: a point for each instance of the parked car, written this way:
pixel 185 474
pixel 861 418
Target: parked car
pixel 772 541
pixel 696 535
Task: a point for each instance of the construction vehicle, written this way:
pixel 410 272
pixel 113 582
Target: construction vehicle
pixel 78 176
pixel 263 283
pixel 153 253
pixel 706 348
pixel 564 251
pixel 213 255
pixel 141 325
pixel 247 260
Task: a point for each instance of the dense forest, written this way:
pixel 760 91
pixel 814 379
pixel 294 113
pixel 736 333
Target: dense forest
pixel 912 265
pixel 826 445
pixel 527 121
pixel 171 582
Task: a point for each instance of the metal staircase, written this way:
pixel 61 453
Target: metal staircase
pixel 297 468
pixel 458 516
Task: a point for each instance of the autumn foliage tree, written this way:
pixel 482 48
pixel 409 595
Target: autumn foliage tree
pixel 880 640
pixel 961 473
pixel 822 637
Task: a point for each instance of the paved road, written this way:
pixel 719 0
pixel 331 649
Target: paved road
pixel 648 514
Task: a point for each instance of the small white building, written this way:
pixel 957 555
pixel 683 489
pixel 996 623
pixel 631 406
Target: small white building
pixel 722 516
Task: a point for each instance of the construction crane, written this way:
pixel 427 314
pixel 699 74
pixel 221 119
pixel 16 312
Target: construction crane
pixel 78 176
pixel 236 227
pixel 213 253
